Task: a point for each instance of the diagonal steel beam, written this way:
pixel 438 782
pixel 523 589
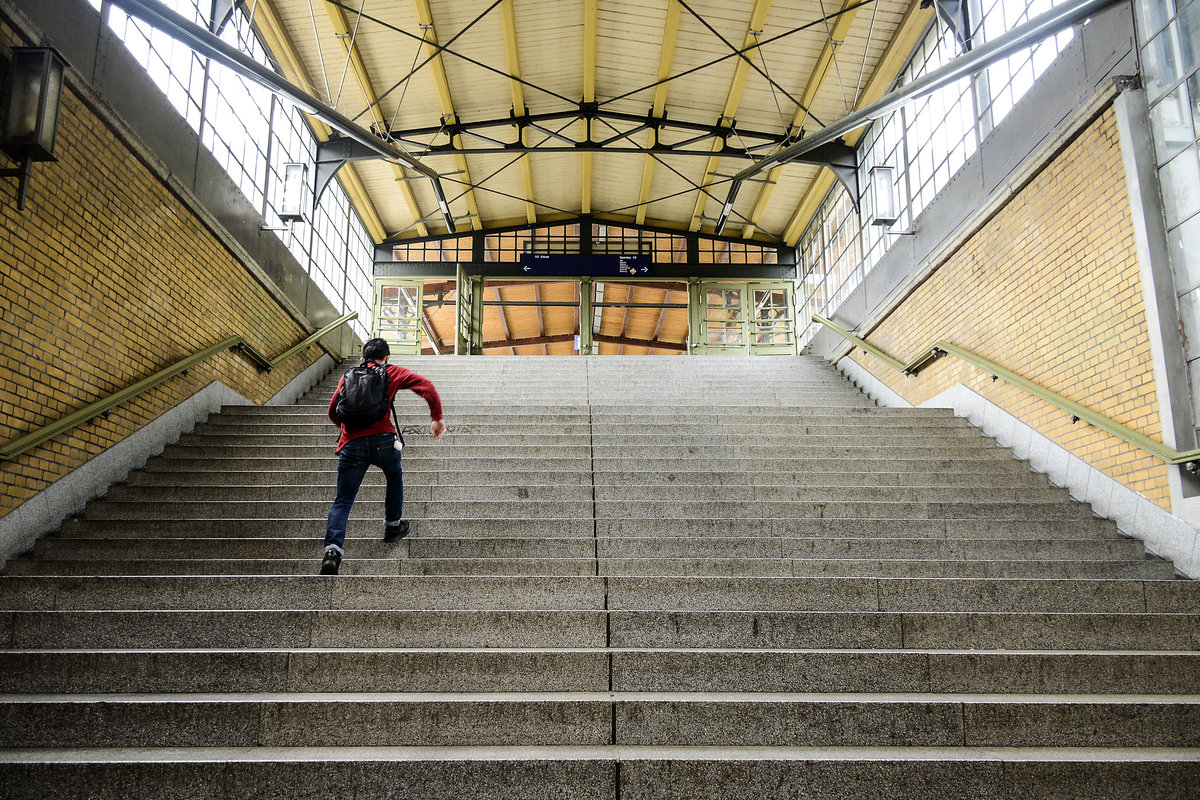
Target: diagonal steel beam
pixel 747 46
pixel 508 16
pixel 666 58
pixel 203 42
pixel 734 98
pixel 908 35
pixel 445 48
pixel 838 33
pixel 283 54
pixel 425 16
pixel 1017 39
pixel 342 29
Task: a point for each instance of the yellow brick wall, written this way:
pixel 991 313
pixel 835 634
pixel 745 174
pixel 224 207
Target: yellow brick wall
pixel 106 277
pixel 1050 288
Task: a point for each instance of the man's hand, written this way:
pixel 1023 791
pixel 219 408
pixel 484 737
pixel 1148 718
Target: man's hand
pixel 437 428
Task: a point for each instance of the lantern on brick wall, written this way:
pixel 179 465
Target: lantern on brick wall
pixel 34 89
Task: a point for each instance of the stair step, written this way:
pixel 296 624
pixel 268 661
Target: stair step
pixel 757 547
pixel 761 567
pixel 758 719
pixel 596 670
pixel 364 525
pixel 434 592
pixel 583 628
pixel 587 773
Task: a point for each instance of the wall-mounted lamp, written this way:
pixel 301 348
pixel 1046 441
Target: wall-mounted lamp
pixel 35 87
pixel 291 207
pixel 291 196
pixel 883 198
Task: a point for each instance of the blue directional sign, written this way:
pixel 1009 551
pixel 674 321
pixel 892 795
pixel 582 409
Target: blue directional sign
pixel 596 264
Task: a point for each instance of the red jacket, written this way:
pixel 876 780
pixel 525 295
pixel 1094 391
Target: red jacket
pixel 398 378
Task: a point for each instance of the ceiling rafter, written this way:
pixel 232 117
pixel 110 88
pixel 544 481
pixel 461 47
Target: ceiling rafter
pixel 512 53
pixel 733 99
pixel 425 18
pixel 837 34
pixel 904 41
pixel 591 23
pixel 503 316
pixel 342 29
pixel 666 58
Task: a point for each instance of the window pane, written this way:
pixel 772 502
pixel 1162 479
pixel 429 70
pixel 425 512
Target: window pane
pixel 1181 187
pixel 1171 123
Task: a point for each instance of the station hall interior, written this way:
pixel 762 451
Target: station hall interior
pixel 989 208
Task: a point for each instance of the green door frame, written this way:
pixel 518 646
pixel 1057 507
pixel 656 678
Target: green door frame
pixel 399 321
pixel 753 330
pixel 755 336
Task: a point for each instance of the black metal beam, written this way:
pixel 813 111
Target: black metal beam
pixel 658 272
pixel 625 340
pixel 689 236
pixel 440 139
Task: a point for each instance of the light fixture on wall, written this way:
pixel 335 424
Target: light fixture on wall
pixel 291 196
pixel 883 199
pixel 291 209
pixel 35 87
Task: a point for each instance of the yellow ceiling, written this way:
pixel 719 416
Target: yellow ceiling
pixel 753 71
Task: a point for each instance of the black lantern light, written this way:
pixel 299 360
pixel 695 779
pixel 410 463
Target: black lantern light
pixel 35 85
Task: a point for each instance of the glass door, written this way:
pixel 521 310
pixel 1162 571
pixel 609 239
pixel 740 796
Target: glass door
pixel 723 319
pixel 772 320
pixel 744 318
pixel 398 314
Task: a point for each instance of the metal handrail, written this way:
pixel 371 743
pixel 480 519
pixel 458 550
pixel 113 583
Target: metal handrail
pixel 1189 458
pixel 104 405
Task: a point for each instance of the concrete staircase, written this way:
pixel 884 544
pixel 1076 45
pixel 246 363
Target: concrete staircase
pixel 631 578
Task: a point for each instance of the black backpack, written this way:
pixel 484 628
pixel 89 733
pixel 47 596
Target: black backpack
pixel 364 397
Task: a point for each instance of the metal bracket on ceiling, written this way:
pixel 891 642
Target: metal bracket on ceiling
pixel 222 12
pixel 954 13
pixel 842 160
pixel 837 155
pixel 332 156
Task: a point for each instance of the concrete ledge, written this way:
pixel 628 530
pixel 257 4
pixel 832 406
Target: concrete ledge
pixel 46 510
pixel 303 383
pixel 1164 535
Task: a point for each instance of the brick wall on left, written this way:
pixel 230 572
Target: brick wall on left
pixel 106 277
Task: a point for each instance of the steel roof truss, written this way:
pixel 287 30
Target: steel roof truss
pixel 749 141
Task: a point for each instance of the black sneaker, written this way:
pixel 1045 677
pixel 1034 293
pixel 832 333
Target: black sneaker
pixel 394 533
pixel 331 562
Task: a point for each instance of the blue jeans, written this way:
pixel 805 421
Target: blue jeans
pixel 353 460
